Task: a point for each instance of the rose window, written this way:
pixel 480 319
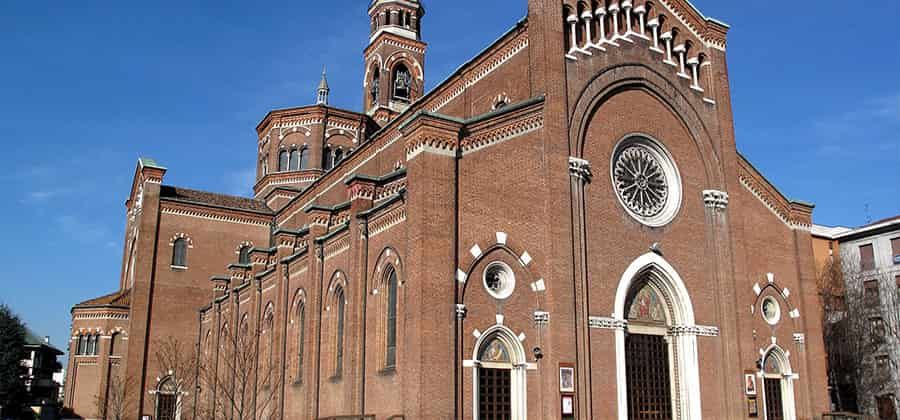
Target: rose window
pixel 641 181
pixel 646 181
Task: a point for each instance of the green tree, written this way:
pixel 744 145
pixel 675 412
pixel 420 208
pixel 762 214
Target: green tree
pixel 12 348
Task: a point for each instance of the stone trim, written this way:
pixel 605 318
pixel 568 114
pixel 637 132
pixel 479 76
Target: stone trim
pixel 715 199
pixel 580 168
pixel 697 330
pixel 605 323
pixel 541 318
pixel 208 215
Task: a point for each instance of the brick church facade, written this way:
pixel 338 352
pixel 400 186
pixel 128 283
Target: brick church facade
pixel 563 228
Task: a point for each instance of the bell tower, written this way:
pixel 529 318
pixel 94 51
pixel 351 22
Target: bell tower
pixel 395 58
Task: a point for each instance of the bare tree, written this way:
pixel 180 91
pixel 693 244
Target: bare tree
pixel 244 378
pixel 861 329
pixel 115 404
pixel 177 379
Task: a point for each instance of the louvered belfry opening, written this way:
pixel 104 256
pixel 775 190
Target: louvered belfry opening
pixel 647 367
pixel 494 399
pixel 774 408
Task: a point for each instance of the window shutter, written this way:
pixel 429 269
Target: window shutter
pixel 866 257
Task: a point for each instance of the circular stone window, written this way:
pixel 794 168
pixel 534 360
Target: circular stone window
pixel 771 311
pixel 499 280
pixel 646 180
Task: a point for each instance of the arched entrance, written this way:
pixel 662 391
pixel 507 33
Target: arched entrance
pixel 657 371
pixel 167 407
pixel 499 376
pixel 778 388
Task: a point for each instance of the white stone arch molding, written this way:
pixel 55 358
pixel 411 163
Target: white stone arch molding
pixel 791 312
pixel 377 61
pixel 518 365
pixel 409 60
pixel 786 377
pixel 471 260
pixel 614 80
pixel 682 334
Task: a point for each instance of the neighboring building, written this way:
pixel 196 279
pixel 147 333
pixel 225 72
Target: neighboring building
pixel 561 229
pixel 42 368
pixel 869 259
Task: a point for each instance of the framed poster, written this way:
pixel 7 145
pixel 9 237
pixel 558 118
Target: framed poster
pixel 568 405
pixel 567 379
pixel 749 384
pixel 752 407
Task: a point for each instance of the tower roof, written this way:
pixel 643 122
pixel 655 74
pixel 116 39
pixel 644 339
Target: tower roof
pixel 417 3
pixel 323 84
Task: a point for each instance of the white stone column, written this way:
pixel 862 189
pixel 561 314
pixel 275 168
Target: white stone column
pixel 681 49
pixel 654 27
pixel 600 13
pixel 694 62
pixel 621 376
pixel 614 9
pixel 588 36
pixel 641 12
pixel 667 38
pixel 573 20
pixel 627 5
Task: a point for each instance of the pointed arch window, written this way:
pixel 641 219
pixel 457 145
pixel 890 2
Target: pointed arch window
pixel 301 335
pixel 244 255
pixel 283 161
pixel 327 158
pixel 391 337
pixel 338 156
pixel 402 81
pixel 269 328
pixel 375 87
pixel 179 253
pixel 340 305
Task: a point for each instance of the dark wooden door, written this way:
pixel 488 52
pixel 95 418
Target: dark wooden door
pixel 166 407
pixel 774 408
pixel 647 369
pixel 494 399
pixel 886 409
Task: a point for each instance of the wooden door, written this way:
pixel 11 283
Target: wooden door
pixel 774 407
pixel 494 394
pixel 647 370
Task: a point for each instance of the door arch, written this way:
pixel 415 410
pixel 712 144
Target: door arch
pixel 662 328
pixel 499 376
pixel 778 385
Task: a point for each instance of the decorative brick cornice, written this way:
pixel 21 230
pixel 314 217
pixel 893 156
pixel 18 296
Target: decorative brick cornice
pixel 512 129
pixel 486 67
pixel 178 209
pixel 794 215
pixel 387 221
pixel 337 247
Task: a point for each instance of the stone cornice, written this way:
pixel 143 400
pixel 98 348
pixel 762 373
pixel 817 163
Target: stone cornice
pixel 214 213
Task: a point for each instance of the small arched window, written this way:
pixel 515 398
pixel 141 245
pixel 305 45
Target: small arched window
pixel 304 158
pixel 295 160
pixel 339 330
pixel 244 255
pixel 391 339
pixel 269 328
pixel 328 158
pixel 402 82
pixel 375 87
pixel 179 253
pixel 81 347
pixel 301 333
pixel 338 156
pixel 113 344
pixel 265 165
pixel 167 400
pixel 282 161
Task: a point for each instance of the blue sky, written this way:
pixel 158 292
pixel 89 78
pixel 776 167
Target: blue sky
pixel 88 87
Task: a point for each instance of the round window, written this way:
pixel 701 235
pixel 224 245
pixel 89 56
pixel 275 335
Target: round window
pixel 646 180
pixel 499 280
pixel 771 311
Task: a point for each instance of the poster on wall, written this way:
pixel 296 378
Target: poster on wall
pixel 567 379
pixel 568 405
pixel 750 384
